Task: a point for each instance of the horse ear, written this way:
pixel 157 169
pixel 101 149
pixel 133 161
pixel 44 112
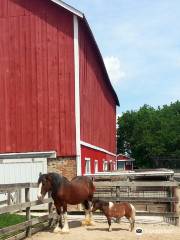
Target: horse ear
pixel 40 174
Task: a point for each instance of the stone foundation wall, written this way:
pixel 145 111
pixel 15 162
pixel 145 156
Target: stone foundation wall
pixel 65 166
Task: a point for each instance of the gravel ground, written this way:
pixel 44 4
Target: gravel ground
pixel 153 229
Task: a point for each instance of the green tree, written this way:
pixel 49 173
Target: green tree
pixel 150 132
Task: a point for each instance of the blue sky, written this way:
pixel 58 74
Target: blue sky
pixel 140 43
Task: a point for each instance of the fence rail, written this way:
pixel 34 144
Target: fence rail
pixel 31 225
pixel 149 197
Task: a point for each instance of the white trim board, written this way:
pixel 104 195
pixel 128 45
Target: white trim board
pixel 50 154
pixel 97 148
pixel 69 8
pixel 77 95
pixel 124 160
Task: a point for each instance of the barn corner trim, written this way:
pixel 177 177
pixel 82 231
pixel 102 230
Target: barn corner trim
pixel 77 94
pixel 69 8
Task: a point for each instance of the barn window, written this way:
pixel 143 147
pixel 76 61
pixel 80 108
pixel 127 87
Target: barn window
pixel 96 166
pixel 105 166
pixel 120 165
pixel 87 165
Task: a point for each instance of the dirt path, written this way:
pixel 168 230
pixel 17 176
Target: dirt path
pixel 151 231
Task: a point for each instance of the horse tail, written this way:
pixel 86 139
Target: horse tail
pixel 133 214
pixel 94 187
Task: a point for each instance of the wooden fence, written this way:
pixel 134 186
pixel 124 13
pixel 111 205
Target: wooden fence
pixel 31 225
pixel 149 197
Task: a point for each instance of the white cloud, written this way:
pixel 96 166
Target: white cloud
pixel 114 68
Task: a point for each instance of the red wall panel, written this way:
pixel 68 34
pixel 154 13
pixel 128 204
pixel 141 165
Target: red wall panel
pixel 98 107
pixel 36 77
pixel 95 155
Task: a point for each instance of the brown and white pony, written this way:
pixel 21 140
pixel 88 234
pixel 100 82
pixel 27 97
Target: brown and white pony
pixel 78 190
pixel 116 210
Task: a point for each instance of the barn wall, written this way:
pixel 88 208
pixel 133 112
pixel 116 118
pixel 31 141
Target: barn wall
pixel 36 78
pixel 98 107
pixel 64 166
pixel 95 155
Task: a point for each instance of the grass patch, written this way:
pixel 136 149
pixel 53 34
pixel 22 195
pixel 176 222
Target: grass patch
pixel 8 219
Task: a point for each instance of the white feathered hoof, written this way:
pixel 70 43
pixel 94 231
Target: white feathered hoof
pixel 91 223
pixel 57 230
pixel 65 230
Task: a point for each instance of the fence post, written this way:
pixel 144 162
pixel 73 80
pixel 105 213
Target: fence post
pixel 9 198
pixel 28 211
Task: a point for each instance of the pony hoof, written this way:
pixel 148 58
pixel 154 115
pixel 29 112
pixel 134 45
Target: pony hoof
pixel 110 229
pixel 57 230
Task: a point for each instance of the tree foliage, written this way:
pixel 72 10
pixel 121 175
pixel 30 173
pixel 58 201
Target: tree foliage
pixel 149 133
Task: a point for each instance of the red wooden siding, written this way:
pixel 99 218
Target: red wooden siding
pixel 98 107
pixel 36 77
pixel 95 155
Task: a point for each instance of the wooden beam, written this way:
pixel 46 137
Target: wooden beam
pixel 28 212
pixel 14 187
pixel 136 199
pixel 22 206
pixel 24 225
pixel 137 184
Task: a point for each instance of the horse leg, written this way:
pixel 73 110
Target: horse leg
pixel 65 228
pixel 86 210
pixel 118 220
pixel 88 214
pixel 131 221
pixel 59 220
pixel 91 220
pixel 132 218
pixel 109 223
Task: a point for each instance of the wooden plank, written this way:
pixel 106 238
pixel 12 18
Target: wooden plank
pixel 3 202
pixel 23 234
pixel 14 187
pixel 137 184
pixel 24 225
pixel 17 236
pixel 137 200
pixel 152 173
pixel 22 206
pixel 28 211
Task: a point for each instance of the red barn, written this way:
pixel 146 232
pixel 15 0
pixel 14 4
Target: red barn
pixel 125 162
pixel 55 93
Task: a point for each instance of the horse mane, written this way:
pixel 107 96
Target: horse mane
pixel 57 180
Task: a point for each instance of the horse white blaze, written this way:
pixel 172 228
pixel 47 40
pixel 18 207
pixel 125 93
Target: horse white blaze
pixel 111 204
pixel 39 195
